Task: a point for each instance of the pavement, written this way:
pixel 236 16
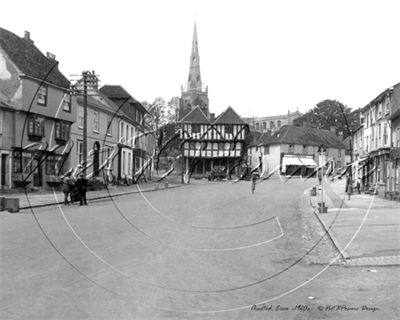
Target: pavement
pixel 365 229
pixel 51 198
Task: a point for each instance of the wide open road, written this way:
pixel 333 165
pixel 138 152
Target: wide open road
pixel 206 250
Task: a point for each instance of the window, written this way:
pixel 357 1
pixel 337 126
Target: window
pixel 271 124
pixel 256 149
pixel 264 126
pixel 380 110
pixel 380 134
pixel 22 162
pixel 229 128
pixel 121 132
pixel 62 130
pixel 266 149
pixel 42 96
pixel 291 148
pixel 79 152
pixel 398 137
pixel 385 134
pixel 132 141
pixel 1 122
pixel 279 123
pixel 305 149
pixel 387 104
pixel 367 120
pixel 80 117
pixel 137 115
pixel 221 146
pixel 338 164
pixel 36 125
pixel 127 133
pixel 95 121
pixel 339 152
pixel 109 125
pixel 67 103
pixel 257 126
pixel 52 164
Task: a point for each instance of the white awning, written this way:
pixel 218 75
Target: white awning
pixel 290 161
pixel 308 162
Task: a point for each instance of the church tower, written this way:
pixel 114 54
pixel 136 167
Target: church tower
pixel 194 93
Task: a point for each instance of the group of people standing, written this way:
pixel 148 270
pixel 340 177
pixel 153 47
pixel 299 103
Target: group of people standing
pixel 74 189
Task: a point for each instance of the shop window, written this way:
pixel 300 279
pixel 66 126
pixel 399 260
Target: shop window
pixel 22 162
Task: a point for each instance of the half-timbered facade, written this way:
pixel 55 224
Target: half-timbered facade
pixel 210 142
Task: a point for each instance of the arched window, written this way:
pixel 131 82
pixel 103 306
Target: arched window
pixel 279 123
pixel 264 126
pixel 271 124
pixel 257 126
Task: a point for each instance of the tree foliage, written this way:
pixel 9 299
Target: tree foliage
pixel 329 113
pixel 172 110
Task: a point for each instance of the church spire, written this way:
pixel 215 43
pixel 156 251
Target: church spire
pixel 194 81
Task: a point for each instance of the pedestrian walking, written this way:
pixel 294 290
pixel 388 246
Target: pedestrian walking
pixel 65 188
pixel 358 185
pixel 81 185
pixel 254 177
pixel 349 186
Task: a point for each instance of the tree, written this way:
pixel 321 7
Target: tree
pixel 329 113
pixel 172 110
pixel 157 112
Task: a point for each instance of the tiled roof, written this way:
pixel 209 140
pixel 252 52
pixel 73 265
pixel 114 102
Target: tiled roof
pixel 229 116
pixel 118 94
pixel 304 135
pixel 195 116
pixel 115 92
pixel 24 54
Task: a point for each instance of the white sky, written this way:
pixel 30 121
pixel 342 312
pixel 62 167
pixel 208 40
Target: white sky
pixel 260 57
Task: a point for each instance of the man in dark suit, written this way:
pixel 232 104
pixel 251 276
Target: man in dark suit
pixel 81 185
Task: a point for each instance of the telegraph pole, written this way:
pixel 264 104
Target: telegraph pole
pixel 85 154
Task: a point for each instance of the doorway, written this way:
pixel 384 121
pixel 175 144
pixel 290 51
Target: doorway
pixel 3 170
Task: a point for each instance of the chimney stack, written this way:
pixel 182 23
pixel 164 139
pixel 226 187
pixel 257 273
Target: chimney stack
pixel 51 56
pixel 212 117
pixel 333 129
pixel 27 36
pixel 340 135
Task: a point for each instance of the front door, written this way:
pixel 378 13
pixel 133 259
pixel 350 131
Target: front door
pixel 37 173
pixel 3 170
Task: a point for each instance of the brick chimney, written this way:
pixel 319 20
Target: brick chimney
pixel 51 56
pixel 340 135
pixel 212 117
pixel 333 129
pixel 27 37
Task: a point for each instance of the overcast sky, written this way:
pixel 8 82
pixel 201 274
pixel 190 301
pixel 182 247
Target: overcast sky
pixel 260 57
